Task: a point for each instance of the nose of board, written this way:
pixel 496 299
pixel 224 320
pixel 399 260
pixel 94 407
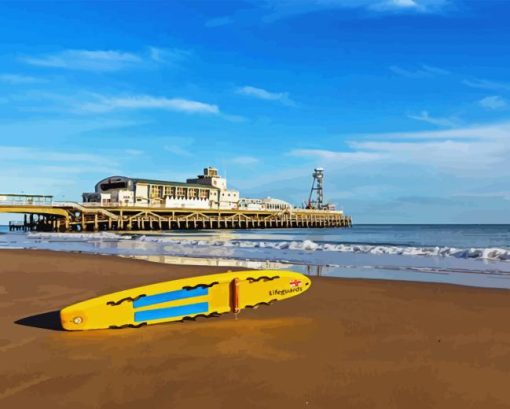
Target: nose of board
pixel 72 319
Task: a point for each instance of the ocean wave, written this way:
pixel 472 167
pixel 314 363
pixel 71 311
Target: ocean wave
pixel 494 253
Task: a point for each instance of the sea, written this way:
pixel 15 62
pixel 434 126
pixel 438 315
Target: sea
pixel 472 255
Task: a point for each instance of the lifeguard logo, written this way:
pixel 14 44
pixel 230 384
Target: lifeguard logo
pixel 285 291
pixel 295 287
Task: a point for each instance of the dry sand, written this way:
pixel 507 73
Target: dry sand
pixel 343 344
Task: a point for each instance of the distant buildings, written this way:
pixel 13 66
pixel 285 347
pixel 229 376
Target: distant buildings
pixel 206 191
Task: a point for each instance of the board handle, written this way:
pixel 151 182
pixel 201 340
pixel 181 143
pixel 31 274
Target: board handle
pixel 234 295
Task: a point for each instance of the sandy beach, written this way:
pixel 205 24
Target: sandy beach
pixel 344 343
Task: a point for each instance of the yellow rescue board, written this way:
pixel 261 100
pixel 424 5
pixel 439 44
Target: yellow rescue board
pixel 183 299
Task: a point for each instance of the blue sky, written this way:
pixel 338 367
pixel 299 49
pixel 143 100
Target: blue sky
pixel 405 103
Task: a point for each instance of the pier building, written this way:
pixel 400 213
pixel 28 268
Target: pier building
pixel 207 191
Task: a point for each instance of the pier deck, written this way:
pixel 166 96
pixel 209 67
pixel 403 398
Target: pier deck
pixel 76 217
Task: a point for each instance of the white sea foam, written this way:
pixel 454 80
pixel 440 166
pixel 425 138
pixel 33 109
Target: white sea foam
pixel 77 236
pixel 494 253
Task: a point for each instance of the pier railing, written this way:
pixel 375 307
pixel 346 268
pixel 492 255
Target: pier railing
pixel 25 200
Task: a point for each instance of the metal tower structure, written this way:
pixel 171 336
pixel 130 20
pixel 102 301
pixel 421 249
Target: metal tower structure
pixel 317 187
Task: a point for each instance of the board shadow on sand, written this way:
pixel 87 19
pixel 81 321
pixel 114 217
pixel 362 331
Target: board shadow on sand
pixel 48 320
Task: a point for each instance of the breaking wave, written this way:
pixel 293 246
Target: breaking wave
pixel 499 254
pixel 492 253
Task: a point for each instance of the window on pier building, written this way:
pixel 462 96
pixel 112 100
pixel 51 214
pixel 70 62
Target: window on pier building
pixel 180 193
pixel 156 191
pixel 192 193
pixel 204 193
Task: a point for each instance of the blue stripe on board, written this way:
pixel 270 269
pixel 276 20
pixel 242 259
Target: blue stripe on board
pixel 182 310
pixel 169 296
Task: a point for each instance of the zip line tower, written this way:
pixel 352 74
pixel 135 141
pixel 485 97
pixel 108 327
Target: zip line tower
pixel 317 202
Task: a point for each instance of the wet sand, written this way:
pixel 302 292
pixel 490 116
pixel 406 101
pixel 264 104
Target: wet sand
pixel 342 344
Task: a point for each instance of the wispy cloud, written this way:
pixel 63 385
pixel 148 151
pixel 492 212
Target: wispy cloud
pixel 493 103
pixel 424 71
pixel 401 3
pixel 134 152
pixel 261 93
pixel 245 160
pixel 77 169
pixel 108 60
pixel 346 157
pixel 286 8
pixel 168 55
pixel 417 6
pixel 178 150
pixel 219 21
pixel 21 153
pixel 486 84
pixel 499 130
pixel 424 116
pixel 473 150
pixel 106 104
pixel 91 60
pixel 178 145
pixel 17 79
pixel 61 173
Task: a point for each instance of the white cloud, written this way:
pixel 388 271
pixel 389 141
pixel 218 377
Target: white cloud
pixel 493 103
pixel 493 131
pixel 435 70
pixel 486 84
pixel 63 174
pixel 504 194
pixel 261 93
pixel 234 118
pixel 17 79
pixel 168 55
pixel 425 117
pixel 285 8
pixel 21 153
pixel 177 150
pixel 404 3
pixel 134 152
pixel 245 160
pixel 396 4
pixel 345 157
pixel 105 104
pixel 108 60
pixel 424 71
pixel 91 60
pixel 417 6
pixel 65 170
pixel 219 21
pixel 474 151
pixel 178 145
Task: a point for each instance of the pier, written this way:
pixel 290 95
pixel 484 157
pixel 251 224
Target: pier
pixel 42 214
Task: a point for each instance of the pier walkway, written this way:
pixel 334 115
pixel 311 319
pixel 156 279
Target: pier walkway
pixel 42 214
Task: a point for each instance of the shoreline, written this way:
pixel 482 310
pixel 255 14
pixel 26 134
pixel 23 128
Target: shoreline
pixel 447 275
pixel 346 342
